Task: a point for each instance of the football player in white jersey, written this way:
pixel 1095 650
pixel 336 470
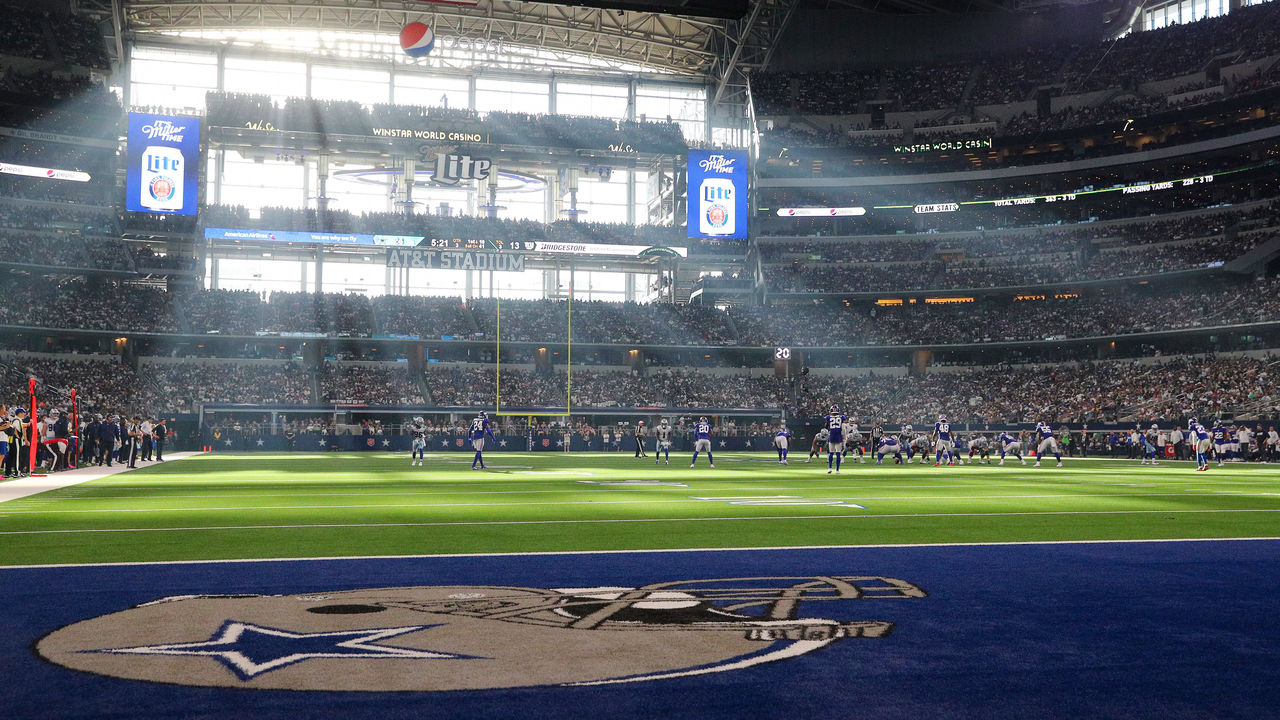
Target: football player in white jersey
pixel 819 444
pixel 853 441
pixel 781 441
pixel 662 442
pixel 419 432
pixel 1151 443
pixel 921 446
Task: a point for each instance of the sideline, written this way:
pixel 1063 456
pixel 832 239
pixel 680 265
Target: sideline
pixel 28 486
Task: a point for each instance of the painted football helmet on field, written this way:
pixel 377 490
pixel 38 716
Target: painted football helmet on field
pixel 434 638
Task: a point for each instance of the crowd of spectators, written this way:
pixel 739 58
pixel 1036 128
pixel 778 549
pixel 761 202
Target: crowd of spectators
pixel 86 304
pixel 54 36
pixel 64 251
pixel 174 386
pixel 1115 312
pixel 1108 311
pixel 1245 185
pixel 1244 34
pixel 73 106
pixel 1164 389
pixel 346 117
pixel 418 316
pixel 348 384
pixel 602 322
pixel 1033 266
pixel 1170 388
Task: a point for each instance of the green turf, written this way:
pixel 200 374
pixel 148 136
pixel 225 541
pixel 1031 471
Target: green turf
pixel 226 506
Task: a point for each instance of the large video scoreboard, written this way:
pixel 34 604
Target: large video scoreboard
pixel 163 164
pixel 718 194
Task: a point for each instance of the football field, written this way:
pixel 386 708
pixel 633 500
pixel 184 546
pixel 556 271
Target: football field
pixel 272 587
pixel 224 506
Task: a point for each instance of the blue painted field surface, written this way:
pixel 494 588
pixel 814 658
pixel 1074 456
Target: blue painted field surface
pixel 1127 630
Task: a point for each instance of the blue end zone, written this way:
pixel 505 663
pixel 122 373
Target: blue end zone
pixel 1134 630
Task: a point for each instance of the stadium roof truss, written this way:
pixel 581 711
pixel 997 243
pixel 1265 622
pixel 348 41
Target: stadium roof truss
pixel 666 43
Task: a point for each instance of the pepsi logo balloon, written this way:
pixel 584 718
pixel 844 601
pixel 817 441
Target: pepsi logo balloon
pixel 417 40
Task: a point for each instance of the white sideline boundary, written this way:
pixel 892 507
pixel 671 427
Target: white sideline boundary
pixel 28 486
pixel 558 553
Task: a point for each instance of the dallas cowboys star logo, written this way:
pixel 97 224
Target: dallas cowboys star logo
pixel 444 443
pixel 251 650
pixel 723 443
pixel 502 443
pixel 322 443
pixel 261 442
pixel 386 443
pixel 228 443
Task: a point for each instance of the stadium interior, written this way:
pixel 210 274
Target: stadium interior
pixel 282 229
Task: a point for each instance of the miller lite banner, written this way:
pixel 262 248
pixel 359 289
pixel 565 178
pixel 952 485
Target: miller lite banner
pixel 162 173
pixel 718 194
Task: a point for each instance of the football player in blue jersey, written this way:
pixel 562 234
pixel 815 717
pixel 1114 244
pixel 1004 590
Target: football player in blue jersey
pixel 1048 443
pixel 781 441
pixel 702 441
pixel 1011 445
pixel 481 428
pixel 889 445
pixel 834 424
pixel 942 442
pixel 1221 442
pixel 1199 441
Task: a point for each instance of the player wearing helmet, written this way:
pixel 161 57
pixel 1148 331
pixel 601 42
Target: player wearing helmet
pixel 781 441
pixel 702 441
pixel 481 428
pixel 662 441
pixel 1200 441
pixel 834 424
pixel 418 429
pixel 942 442
pixel 1150 444
pixel 1048 443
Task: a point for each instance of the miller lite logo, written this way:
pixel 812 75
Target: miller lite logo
pixel 452 169
pixel 717 164
pixel 718 199
pixel 164 130
pixel 162 171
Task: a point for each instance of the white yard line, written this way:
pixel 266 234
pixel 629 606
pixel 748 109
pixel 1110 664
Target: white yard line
pixel 472 523
pixel 558 553
pixel 28 486
pixel 1200 492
